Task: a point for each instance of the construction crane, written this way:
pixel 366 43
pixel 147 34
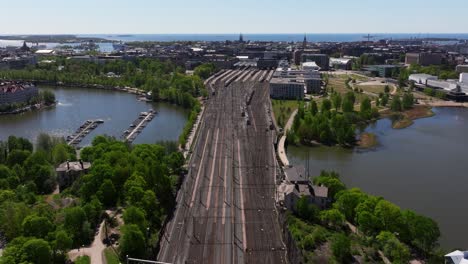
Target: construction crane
pixel 369 37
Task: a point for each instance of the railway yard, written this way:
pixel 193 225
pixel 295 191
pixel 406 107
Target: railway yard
pixel 226 206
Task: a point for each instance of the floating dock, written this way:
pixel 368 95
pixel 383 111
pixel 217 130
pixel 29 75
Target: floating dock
pixel 138 125
pixel 83 131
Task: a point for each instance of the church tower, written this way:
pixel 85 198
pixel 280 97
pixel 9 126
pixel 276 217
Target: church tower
pixel 304 43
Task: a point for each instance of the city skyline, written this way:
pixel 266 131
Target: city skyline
pixel 212 17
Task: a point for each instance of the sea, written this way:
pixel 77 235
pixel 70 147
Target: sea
pixel 311 37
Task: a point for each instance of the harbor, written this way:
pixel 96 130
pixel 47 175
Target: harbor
pixel 138 125
pixel 82 131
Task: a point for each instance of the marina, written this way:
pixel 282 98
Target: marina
pixel 83 131
pixel 138 125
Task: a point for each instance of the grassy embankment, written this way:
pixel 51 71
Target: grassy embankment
pixel 283 110
pixel 406 118
pixel 368 140
pixel 83 260
pixel 111 257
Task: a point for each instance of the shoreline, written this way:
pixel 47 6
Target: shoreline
pixel 30 108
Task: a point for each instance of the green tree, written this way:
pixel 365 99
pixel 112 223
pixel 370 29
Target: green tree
pixel 132 242
pixel 393 248
pixel 389 215
pixel 408 101
pixel 341 248
pixel 48 97
pixel 37 251
pixel 313 107
pixel 307 211
pixel 60 154
pixel 422 232
pixel 326 105
pixel 336 100
pixel 396 104
pixel 107 193
pixel 62 242
pixel 37 226
pixel 136 216
pixel 333 218
pixel 387 89
pixel 348 200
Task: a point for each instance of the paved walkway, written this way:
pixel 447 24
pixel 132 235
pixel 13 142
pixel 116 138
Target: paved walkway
pixel 95 251
pixel 281 150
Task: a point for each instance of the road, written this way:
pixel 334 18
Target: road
pixel 226 208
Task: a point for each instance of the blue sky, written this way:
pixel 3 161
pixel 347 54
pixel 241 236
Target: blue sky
pixel 234 16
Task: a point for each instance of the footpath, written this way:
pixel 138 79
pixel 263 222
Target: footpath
pixel 281 150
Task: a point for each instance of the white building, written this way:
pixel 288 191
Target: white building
pixel 310 66
pixel 464 78
pixel 457 257
pixel 421 78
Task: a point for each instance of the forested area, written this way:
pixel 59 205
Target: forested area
pixel 381 225
pixel 166 81
pixel 333 123
pixel 41 228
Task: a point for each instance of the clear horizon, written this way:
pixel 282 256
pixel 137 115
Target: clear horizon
pixel 30 17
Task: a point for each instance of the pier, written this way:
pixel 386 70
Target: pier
pixel 138 125
pixel 82 131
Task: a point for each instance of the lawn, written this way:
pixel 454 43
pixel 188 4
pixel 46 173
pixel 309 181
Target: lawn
pixel 338 83
pixel 83 260
pixel 111 257
pixel 283 110
pixel 376 89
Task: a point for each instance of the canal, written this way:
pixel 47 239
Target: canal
pixel 422 168
pixel 117 109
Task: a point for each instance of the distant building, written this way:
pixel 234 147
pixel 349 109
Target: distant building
pixel 299 52
pixel 313 85
pixel 423 58
pixel 286 88
pixel 45 52
pixel 383 71
pixel 341 63
pixel 68 172
pixel 16 63
pixel 421 78
pixel 322 60
pixel 457 257
pixel 310 66
pixel 462 68
pixel 297 185
pixel 464 78
pixel 267 63
pixel 287 82
pixel 17 92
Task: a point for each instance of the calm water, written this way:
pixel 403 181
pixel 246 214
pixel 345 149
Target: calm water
pixel 423 168
pixel 312 37
pixel 77 105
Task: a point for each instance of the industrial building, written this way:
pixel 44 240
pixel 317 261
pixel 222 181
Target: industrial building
pixel 322 60
pixel 383 71
pixel 290 83
pixel 341 63
pixel 286 88
pixel 423 58
pixel 267 64
pixel 16 92
pixel 462 68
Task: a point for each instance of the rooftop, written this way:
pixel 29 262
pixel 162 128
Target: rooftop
pixel 13 87
pixel 73 166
